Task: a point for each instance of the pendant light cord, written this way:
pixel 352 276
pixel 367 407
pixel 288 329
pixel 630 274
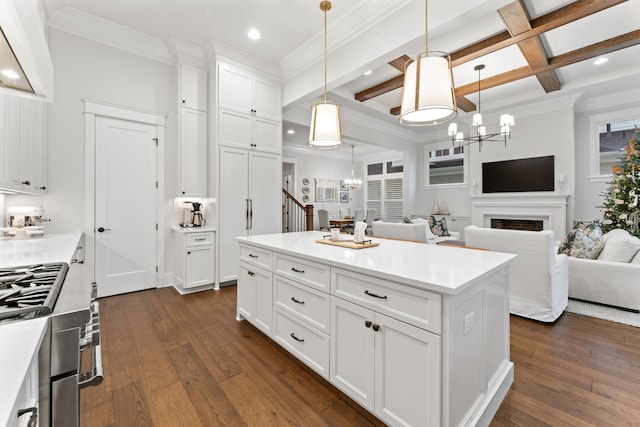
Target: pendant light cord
pixel 426 25
pixel 325 56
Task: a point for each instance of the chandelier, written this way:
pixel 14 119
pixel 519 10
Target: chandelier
pixel 325 116
pixel 353 183
pixel 427 94
pixel 506 122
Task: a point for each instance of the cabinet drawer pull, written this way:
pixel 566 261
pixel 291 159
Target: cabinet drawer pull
pixel 374 295
pixel 296 270
pixel 200 239
pixel 293 335
pixel 296 301
pixel 367 323
pixel 251 273
pixel 376 327
pixel 253 256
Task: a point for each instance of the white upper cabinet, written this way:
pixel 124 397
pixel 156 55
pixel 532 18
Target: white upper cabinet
pixel 249 110
pixel 193 87
pixel 22 144
pixel 193 131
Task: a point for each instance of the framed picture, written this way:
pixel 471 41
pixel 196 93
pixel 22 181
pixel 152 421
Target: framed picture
pixel 344 186
pixel 344 197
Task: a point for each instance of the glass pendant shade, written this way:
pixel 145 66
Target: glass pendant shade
pixel 428 94
pixel 325 125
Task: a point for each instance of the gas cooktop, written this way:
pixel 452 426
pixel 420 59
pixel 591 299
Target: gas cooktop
pixel 31 290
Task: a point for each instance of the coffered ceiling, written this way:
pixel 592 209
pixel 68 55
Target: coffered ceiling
pixel 532 49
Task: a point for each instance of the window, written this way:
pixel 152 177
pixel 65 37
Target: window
pixel 385 190
pixel 444 166
pixel 610 134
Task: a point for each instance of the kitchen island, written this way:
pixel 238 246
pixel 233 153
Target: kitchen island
pixel 417 334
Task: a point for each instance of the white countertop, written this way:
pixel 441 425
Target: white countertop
pixel 442 269
pixel 35 250
pixel 204 229
pixel 19 343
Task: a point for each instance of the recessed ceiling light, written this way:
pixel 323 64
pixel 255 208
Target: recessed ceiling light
pixel 367 73
pixel 291 131
pixel 600 61
pixel 253 34
pixel 10 74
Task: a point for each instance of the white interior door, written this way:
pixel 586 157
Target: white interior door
pixel 125 206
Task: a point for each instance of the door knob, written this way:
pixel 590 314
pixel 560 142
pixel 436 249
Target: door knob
pixel 102 229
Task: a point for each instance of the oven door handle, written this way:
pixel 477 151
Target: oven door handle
pixel 96 374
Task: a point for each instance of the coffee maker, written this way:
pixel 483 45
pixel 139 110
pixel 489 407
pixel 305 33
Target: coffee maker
pixel 187 220
pixel 198 221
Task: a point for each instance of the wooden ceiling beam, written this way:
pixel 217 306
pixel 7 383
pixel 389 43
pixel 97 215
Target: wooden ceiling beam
pixel 389 85
pixel 517 21
pixel 601 48
pixel 557 18
pixel 606 46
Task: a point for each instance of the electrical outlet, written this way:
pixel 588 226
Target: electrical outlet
pixel 468 322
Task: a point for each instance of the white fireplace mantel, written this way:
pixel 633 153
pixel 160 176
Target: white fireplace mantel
pixel 551 209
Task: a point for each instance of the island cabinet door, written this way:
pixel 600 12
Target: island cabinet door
pixel 407 373
pixel 255 296
pixel 352 351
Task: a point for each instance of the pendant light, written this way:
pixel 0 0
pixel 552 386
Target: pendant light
pixel 353 183
pixel 428 94
pixel 325 129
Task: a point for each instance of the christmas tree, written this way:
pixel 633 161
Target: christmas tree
pixel 621 208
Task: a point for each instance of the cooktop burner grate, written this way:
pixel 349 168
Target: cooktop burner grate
pixel 31 290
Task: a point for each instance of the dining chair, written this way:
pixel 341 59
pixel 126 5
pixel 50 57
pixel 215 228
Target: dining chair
pixel 357 217
pixel 371 214
pixel 323 219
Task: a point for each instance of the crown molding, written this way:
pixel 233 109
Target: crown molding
pixel 186 52
pixel 231 53
pixel 91 27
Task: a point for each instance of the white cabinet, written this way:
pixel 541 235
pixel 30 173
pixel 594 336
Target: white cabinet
pixel 192 123
pixel 255 296
pixel 195 261
pixel 22 144
pixel 249 110
pixel 250 201
pixel 193 87
pixel 387 366
pixel 193 153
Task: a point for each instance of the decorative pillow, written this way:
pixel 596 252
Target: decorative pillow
pixel 438 227
pixel 588 242
pixel 619 246
pixel 635 259
pixel 406 220
pixel 567 241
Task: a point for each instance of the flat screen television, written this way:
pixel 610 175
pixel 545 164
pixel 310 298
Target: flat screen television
pixel 520 175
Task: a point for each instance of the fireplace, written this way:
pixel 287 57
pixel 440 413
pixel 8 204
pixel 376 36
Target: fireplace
pixel 517 224
pixel 522 208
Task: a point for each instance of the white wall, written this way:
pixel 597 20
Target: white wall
pixel 88 70
pixel 543 130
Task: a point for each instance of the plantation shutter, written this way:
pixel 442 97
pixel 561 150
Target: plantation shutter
pixel 374 196
pixel 393 196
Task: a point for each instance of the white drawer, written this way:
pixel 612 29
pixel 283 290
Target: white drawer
pixel 415 306
pixel 303 271
pixel 256 256
pixel 304 342
pixel 199 239
pixel 310 305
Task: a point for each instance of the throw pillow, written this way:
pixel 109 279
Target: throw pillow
pixel 438 227
pixel 619 246
pixel 588 242
pixel 406 220
pixel 567 241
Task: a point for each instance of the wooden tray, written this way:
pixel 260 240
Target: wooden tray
pixel 349 243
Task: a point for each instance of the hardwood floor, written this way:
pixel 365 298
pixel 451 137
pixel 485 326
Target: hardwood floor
pixel 172 360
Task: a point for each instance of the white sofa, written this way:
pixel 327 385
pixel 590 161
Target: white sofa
pixel 414 232
pixel 538 278
pixel 613 278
